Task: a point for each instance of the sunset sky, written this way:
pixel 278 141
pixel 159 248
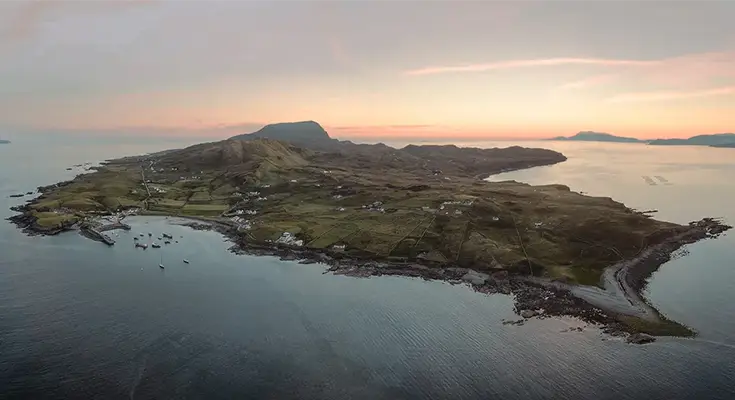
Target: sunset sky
pixel 423 69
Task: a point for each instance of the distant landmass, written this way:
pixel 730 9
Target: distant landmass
pixel 718 139
pixel 713 140
pixel 2 141
pixel 589 136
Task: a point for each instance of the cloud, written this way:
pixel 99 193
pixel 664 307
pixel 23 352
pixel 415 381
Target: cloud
pixel 693 69
pixel 31 14
pixel 591 81
pixel 339 52
pixel 671 95
pixel 26 21
pixel 686 76
pixel 546 62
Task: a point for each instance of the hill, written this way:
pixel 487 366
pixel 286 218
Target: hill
pixel 416 159
pixel 305 133
pixel 716 139
pixel 232 153
pixel 727 145
pixel 589 136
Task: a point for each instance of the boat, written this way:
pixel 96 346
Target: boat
pixel 167 242
pixel 135 239
pixel 150 234
pixel 142 245
pixel 167 236
pixel 160 265
pixel 186 261
pixel 155 245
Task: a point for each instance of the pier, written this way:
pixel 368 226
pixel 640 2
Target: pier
pixel 96 234
pixel 114 225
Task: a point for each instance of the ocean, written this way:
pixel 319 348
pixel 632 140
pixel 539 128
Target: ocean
pixel 82 320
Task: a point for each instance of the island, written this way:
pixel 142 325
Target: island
pixel 717 140
pixel 714 140
pixel 3 141
pixel 420 211
pixel 589 136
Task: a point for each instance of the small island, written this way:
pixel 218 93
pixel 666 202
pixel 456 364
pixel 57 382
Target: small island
pixel 369 210
pixel 589 136
pixel 3 141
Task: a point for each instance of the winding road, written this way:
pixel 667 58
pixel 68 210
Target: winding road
pixel 618 295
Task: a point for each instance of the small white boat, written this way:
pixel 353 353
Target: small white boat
pixel 160 265
pixel 186 261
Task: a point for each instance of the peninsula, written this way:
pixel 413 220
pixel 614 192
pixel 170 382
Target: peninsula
pixel 423 211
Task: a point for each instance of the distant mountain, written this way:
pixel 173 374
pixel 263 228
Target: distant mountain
pixel 305 133
pixel 589 136
pixel 718 139
pixel 4 141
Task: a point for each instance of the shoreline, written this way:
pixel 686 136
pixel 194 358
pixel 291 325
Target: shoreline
pixel 618 307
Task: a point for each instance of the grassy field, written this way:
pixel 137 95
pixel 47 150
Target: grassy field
pixel 544 230
pixel 53 220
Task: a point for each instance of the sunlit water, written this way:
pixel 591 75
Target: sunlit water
pixel 82 320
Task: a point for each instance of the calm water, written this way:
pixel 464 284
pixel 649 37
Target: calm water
pixel 82 320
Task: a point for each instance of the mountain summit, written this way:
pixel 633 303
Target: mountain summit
pixel 303 133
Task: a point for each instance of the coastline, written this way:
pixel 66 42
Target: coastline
pixel 618 306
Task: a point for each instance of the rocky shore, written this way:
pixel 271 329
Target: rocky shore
pixel 28 223
pixel 533 297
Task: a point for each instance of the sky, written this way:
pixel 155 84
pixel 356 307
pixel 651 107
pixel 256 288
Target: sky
pixel 370 68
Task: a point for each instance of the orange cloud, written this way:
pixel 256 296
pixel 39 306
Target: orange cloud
pixel 671 95
pixel 512 64
pixel 693 71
